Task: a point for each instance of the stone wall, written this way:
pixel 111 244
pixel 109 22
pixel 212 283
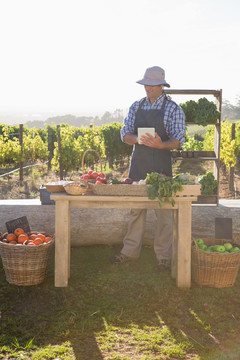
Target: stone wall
pixel 108 226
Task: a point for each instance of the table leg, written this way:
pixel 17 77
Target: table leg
pixel 174 244
pixel 62 243
pixel 184 244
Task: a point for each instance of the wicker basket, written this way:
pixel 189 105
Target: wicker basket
pixel 119 189
pixel 25 265
pixel 57 186
pixel 214 269
pixel 86 181
pixel 138 190
pixel 75 188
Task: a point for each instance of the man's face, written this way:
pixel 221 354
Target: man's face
pixel 153 92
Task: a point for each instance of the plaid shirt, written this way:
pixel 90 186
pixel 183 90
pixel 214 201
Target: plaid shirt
pixel 174 118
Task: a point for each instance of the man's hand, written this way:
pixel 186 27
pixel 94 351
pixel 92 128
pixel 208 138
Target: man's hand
pixel 130 139
pixel 157 143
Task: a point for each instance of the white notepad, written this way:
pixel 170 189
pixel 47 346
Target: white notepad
pixel 142 131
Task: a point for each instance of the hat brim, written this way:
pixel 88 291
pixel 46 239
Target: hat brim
pixel 151 82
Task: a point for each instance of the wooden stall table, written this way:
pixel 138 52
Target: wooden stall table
pixel 181 258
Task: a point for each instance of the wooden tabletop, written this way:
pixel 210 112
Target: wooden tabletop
pixel 118 201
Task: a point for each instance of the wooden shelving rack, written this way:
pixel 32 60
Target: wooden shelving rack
pixel 204 156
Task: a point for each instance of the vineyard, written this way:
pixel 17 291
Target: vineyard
pixel 42 155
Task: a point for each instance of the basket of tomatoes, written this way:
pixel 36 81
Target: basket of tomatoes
pixel 25 256
pixel 91 176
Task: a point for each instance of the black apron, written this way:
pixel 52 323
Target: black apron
pixel 146 159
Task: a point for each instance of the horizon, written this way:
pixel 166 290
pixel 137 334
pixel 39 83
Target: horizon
pixel 44 115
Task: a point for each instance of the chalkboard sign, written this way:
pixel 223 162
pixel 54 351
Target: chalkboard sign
pixel 223 228
pixel 21 222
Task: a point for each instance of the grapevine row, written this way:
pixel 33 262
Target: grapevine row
pixel 42 144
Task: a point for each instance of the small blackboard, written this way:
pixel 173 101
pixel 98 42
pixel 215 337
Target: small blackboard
pixel 21 222
pixel 223 228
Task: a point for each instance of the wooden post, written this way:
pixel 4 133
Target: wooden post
pixel 21 144
pixel 231 171
pixel 217 140
pixel 60 152
pixel 50 146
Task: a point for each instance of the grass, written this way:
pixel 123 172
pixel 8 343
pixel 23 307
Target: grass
pixel 128 311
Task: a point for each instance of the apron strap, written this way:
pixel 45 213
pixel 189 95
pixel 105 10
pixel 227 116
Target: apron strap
pixel 152 112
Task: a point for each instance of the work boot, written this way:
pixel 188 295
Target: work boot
pixel 164 264
pixel 120 259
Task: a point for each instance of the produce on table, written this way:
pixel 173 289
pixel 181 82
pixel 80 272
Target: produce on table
pixel 114 180
pixel 102 180
pixel 127 181
pixel 163 186
pixel 93 175
pixel 159 185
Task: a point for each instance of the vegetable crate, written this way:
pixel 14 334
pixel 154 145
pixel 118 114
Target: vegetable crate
pixel 25 265
pixel 214 269
pixel 138 190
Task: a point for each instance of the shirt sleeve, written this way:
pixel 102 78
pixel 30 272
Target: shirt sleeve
pixel 129 121
pixel 176 124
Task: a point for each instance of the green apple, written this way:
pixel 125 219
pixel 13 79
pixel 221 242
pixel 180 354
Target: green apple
pixel 209 249
pixel 199 241
pixel 228 246
pixel 235 249
pixel 214 247
pixel 220 248
pixel 202 247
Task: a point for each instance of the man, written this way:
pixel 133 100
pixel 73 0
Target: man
pixel 152 154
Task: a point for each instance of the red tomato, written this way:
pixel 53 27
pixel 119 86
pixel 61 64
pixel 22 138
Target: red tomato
pixel 103 180
pixel 90 172
pixel 98 182
pixel 94 175
pixel 102 175
pixel 85 177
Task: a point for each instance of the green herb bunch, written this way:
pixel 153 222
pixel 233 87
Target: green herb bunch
pixel 192 145
pixel 163 186
pixel 209 185
pixel 114 180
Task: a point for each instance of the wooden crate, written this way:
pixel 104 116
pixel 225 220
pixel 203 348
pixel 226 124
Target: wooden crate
pixel 138 190
pixel 190 190
pixel 207 199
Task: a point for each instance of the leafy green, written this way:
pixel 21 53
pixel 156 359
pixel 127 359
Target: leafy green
pixel 203 112
pixel 164 187
pixel 209 185
pixel 114 180
pixel 192 145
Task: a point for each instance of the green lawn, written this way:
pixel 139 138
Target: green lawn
pixel 126 312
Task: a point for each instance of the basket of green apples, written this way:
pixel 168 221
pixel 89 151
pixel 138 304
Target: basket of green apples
pixel 215 262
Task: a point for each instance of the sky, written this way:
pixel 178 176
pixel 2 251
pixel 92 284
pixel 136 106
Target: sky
pixel 84 57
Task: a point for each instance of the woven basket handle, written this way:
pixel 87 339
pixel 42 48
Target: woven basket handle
pixel 83 158
pixel 196 245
